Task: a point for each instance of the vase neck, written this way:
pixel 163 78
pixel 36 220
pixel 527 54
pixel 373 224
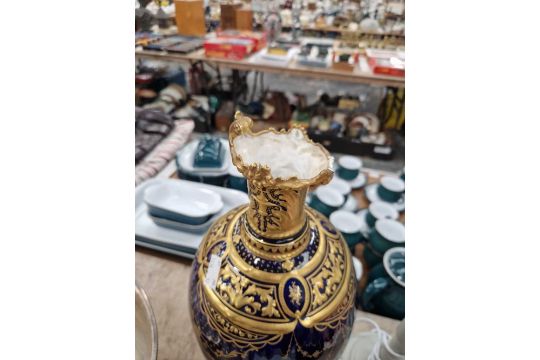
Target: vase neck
pixel 276 214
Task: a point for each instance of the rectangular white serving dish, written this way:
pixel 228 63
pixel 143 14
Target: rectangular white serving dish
pixel 181 243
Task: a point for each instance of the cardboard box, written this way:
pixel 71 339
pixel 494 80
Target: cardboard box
pixel 244 19
pixel 258 38
pixel 190 17
pixel 228 16
pixel 386 62
pixel 232 49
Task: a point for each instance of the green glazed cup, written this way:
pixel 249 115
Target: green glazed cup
pixel 387 234
pixel 348 225
pixel 349 167
pixel 385 291
pixel 326 200
pixel 390 189
pixel 379 210
pixel 371 257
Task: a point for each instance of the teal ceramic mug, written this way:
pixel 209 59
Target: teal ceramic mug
pixel 348 225
pixel 387 234
pixel 390 188
pixel 349 167
pixel 385 290
pixel 326 200
pixel 379 210
pixel 371 257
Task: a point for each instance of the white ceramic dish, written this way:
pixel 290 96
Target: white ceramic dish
pixel 181 243
pixel 184 158
pixel 372 195
pixel 183 203
pixel 383 210
pixel 351 204
pixel 364 228
pixel 340 185
pixel 357 268
pixel 345 221
pixel 358 182
pixel 391 230
pixel 176 225
pixel 330 196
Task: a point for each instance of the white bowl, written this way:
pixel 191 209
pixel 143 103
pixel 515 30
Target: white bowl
pixel 178 203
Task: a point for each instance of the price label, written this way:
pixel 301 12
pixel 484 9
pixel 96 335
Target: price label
pixel 213 271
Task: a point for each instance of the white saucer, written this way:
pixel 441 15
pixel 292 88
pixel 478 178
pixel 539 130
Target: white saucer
pixel 372 195
pixel 358 182
pixel 351 204
pixel 364 227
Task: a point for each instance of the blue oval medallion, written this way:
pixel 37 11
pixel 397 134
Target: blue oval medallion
pixel 294 294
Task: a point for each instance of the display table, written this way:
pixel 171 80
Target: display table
pixel 165 278
pixel 364 76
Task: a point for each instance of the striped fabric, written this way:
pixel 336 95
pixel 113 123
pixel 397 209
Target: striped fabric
pixel 164 152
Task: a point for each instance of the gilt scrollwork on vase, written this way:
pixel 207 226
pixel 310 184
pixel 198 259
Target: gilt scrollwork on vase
pixel 259 306
pixel 284 283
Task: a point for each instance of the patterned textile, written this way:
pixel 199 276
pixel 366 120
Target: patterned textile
pixel 164 152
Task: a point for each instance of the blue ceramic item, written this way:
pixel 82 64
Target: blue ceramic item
pixel 209 153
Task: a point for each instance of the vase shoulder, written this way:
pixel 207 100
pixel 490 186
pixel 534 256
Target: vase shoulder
pixel 260 295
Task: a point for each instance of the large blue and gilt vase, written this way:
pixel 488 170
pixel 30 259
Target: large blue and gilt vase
pixel 273 279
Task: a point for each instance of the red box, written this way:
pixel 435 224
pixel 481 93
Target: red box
pixel 258 38
pixel 386 62
pixel 232 49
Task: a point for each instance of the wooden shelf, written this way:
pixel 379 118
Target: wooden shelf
pixel 293 69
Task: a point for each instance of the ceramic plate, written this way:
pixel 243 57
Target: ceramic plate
pixel 180 243
pixel 145 327
pixel 184 160
pixel 188 202
pixel 372 195
pixel 364 227
pixel 358 182
pixel 340 185
pixel 351 204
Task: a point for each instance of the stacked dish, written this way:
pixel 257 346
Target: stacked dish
pixel 172 215
pixel 175 206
